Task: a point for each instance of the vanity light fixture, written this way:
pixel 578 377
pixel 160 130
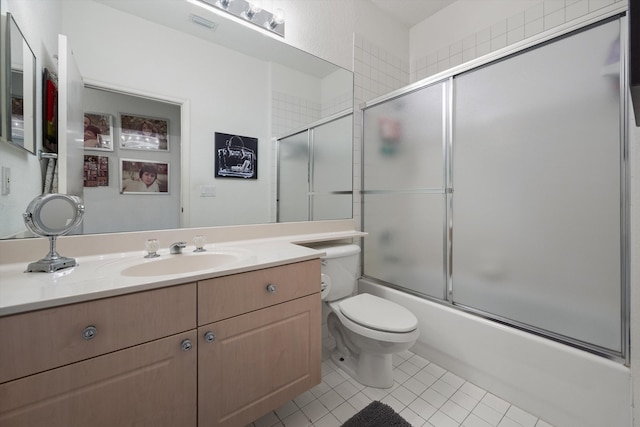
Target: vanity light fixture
pixel 248 11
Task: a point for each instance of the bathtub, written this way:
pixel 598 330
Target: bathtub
pixel 560 384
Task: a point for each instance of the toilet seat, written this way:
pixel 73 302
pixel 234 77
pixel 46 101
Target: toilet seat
pixel 377 313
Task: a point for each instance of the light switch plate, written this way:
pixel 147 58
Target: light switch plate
pixel 6 180
pixel 208 191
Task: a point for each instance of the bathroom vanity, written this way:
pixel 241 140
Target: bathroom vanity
pixel 210 348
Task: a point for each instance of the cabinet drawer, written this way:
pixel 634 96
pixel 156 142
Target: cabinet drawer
pixel 45 339
pixel 153 384
pixel 229 296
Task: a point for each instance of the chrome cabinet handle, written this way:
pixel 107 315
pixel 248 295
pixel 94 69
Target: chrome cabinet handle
pixel 271 288
pixel 186 345
pixel 209 336
pixel 89 332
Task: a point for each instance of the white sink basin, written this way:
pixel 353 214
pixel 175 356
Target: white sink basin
pixel 180 264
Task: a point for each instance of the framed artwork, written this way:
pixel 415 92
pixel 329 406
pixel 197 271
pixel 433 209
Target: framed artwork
pixel 236 156
pixel 143 177
pixel 96 171
pixel 49 112
pixel 143 133
pixel 98 131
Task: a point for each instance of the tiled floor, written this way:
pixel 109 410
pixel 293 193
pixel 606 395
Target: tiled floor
pixel 424 394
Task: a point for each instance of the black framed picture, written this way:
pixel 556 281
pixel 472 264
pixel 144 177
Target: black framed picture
pixel 236 156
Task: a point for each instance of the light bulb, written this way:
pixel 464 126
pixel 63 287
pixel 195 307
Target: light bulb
pixel 276 19
pixel 255 6
pixel 225 3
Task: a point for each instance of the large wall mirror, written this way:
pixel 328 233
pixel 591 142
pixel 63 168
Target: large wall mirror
pixel 19 126
pixel 223 77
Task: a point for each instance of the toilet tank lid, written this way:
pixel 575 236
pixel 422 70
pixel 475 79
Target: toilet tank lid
pixel 339 251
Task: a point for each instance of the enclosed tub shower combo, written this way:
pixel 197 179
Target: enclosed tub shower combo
pixel 497 193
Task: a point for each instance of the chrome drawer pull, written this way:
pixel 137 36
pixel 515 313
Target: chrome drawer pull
pixel 186 345
pixel 209 336
pixel 271 288
pixel 89 332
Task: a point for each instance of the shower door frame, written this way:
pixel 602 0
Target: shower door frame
pixel 446 78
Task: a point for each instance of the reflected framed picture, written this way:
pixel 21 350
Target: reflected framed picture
pixel 96 171
pixel 236 156
pixel 144 177
pixel 98 131
pixel 143 133
pixel 50 113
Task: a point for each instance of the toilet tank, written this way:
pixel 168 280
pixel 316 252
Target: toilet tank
pixel 339 271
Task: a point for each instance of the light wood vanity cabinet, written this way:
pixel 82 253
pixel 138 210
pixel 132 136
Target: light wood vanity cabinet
pixel 126 360
pixel 263 347
pixel 223 351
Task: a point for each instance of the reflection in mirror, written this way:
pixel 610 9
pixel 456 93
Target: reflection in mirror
pixel 315 172
pixel 233 80
pixel 21 88
pixel 53 215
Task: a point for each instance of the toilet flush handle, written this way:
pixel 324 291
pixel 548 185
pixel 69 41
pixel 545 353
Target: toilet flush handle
pixel 271 288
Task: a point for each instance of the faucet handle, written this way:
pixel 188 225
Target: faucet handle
pixel 199 241
pixel 152 246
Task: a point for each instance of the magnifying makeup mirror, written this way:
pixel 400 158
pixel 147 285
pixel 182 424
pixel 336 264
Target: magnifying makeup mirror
pixel 52 215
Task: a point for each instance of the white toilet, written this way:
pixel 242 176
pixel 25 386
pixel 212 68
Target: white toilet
pixel 368 329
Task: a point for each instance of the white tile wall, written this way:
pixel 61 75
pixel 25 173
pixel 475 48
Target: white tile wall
pixel 537 18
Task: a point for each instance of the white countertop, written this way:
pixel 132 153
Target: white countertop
pixel 99 276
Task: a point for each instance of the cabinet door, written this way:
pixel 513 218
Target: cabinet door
pixel 258 361
pixel 153 385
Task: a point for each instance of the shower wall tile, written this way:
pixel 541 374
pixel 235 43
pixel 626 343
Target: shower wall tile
pixel 515 35
pixel 533 20
pixel 498 42
pixel 534 27
pixel 499 29
pixel 598 4
pixel 483 48
pixel 469 42
pixel 515 22
pixel 469 54
pixel 551 6
pixel 533 13
pixel 554 19
pixel 576 9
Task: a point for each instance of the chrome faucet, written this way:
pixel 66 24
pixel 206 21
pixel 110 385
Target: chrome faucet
pixel 176 248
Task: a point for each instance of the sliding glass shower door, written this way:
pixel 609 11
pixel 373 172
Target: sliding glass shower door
pixel 503 190
pixel 537 188
pixel 315 172
pixel 404 191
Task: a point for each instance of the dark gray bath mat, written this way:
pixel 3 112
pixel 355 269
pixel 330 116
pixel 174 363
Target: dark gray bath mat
pixel 376 414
